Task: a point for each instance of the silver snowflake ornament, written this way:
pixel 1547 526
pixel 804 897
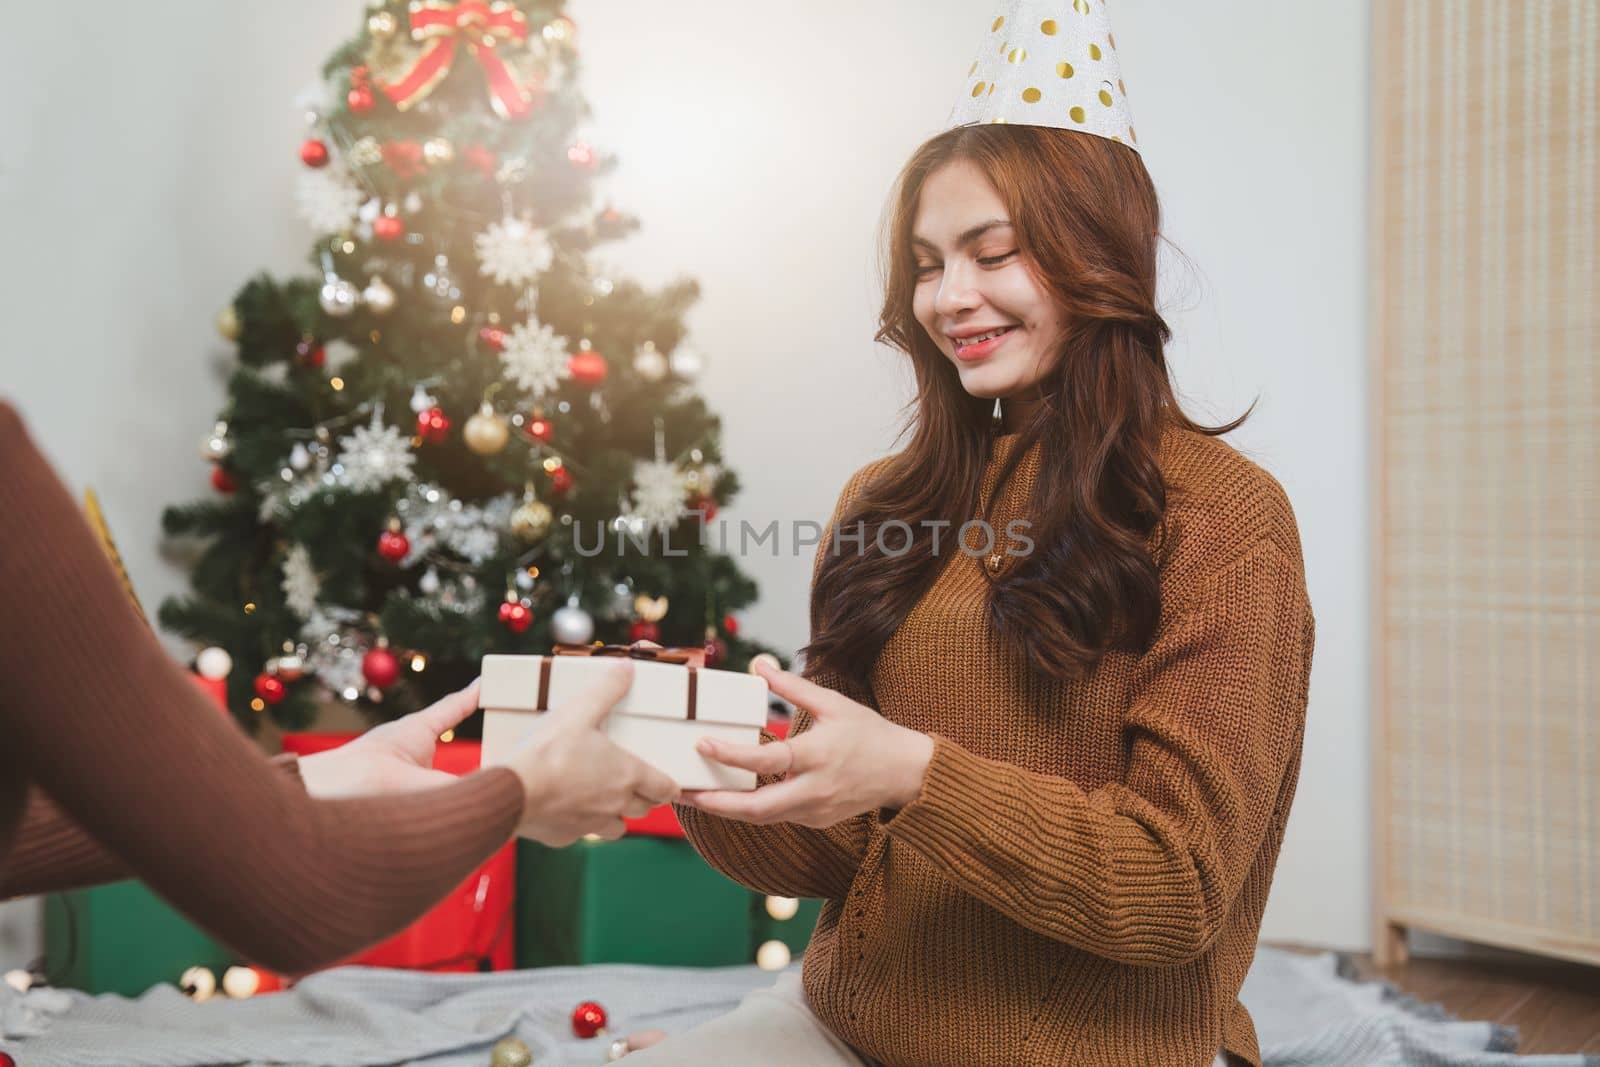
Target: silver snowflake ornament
pixel 301 586
pixel 513 252
pixel 535 357
pixel 373 456
pixel 658 491
pixel 328 198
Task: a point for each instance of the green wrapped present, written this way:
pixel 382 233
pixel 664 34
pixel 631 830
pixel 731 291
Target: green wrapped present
pixel 635 900
pixel 123 938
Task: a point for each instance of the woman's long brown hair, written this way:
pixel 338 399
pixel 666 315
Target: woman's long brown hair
pixel 1088 225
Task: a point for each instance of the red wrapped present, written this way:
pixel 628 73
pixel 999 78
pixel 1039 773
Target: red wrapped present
pixel 472 928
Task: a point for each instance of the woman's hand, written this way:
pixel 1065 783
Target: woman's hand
pixel 850 760
pixel 396 757
pixel 575 780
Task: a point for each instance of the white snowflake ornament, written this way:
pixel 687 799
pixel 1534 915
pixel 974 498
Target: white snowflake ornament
pixel 658 491
pixel 535 357
pixel 301 586
pixel 513 252
pixel 373 456
pixel 328 198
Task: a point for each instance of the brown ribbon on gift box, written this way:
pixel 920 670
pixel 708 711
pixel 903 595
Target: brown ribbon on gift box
pixel 657 655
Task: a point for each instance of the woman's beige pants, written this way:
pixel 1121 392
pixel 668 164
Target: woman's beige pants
pixel 773 1025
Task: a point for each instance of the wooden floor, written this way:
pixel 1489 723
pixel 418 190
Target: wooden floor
pixel 1554 1006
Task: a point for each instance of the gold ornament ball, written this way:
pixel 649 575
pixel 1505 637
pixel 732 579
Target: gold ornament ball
pixel 437 150
pixel 228 323
pixel 510 1052
pixel 381 24
pixel 531 521
pixel 486 433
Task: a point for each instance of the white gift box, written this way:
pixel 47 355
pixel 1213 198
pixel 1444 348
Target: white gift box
pixel 668 708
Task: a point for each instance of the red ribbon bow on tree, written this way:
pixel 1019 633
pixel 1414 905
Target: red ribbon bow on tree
pixel 484 27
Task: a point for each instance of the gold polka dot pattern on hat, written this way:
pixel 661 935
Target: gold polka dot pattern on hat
pixel 1054 63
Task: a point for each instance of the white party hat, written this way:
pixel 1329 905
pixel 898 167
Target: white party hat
pixel 1049 63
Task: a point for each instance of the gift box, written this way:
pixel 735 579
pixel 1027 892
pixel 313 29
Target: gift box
pixel 471 929
pixel 643 900
pixel 123 938
pixel 670 706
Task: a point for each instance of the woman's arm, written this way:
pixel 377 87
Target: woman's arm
pixel 49 852
pixel 783 859
pixel 1146 870
pixel 98 717
pixel 788 859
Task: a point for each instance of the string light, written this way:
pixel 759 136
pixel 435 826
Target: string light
pixel 447 737
pixel 773 956
pixel 240 982
pixel 419 662
pixel 782 908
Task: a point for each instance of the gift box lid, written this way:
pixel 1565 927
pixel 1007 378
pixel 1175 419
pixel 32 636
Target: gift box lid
pixel 659 690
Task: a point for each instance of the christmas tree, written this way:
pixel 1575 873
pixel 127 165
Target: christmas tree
pixel 460 434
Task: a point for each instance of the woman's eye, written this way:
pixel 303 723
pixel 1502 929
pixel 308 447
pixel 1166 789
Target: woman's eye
pixel 995 261
pixel 925 268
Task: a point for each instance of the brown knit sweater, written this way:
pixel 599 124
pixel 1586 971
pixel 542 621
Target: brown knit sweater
pixel 112 763
pixel 1082 876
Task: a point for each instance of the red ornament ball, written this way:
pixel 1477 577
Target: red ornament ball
pixel 393 545
pixel 221 480
pixel 388 227
pixel 313 153
pixel 380 667
pixel 587 367
pixel 588 1019
pixel 310 353
pixel 516 617
pixel 716 651
pixel 271 688
pixel 644 630
pixel 493 337
pixel 561 480
pixel 433 425
pixel 360 99
pixel 707 504
pixel 730 626
pixel 6 1060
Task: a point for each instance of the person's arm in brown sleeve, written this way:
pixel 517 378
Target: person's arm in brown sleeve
pixel 111 730
pixel 50 852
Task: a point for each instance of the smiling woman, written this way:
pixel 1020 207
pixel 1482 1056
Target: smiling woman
pixel 1041 793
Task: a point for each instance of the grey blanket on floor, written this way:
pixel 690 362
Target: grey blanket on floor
pixel 1306 1013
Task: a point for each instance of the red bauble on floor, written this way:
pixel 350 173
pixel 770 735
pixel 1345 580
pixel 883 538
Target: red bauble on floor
pixel 588 1019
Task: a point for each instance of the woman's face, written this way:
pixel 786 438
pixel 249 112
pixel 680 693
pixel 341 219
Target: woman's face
pixel 972 282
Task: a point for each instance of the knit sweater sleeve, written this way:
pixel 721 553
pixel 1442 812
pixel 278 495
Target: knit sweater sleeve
pixel 1145 870
pixel 785 859
pixel 100 719
pixel 50 852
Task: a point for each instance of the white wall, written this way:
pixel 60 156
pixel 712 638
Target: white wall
pixel 758 145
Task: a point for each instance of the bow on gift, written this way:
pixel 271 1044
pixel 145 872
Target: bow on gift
pixel 659 655
pixel 483 26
